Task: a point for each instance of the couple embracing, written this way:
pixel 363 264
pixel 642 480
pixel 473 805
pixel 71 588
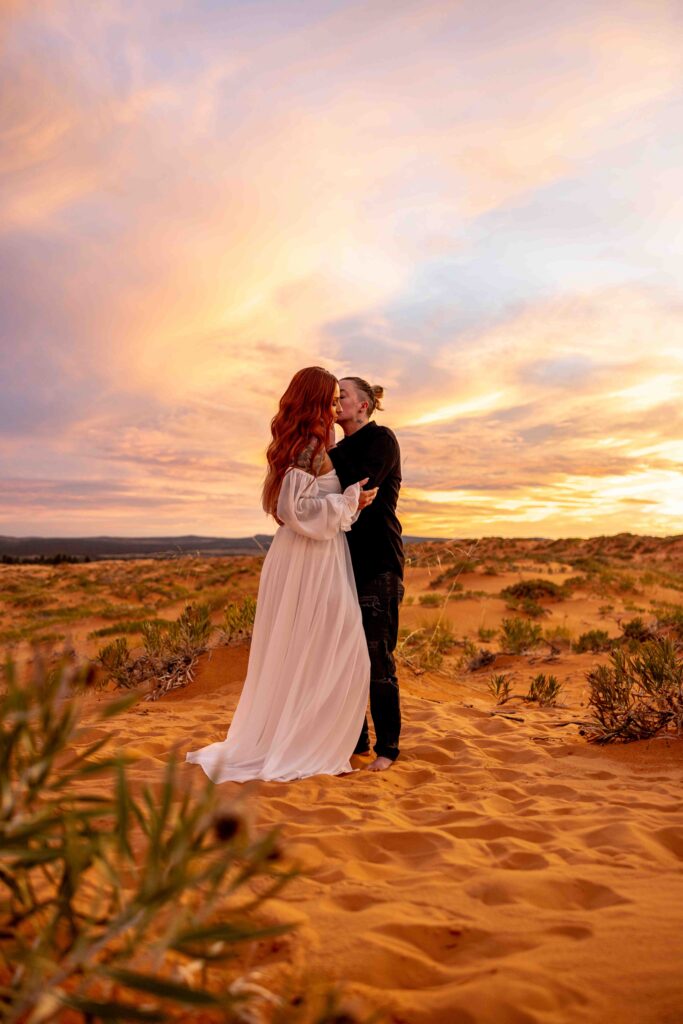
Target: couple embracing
pixel 327 612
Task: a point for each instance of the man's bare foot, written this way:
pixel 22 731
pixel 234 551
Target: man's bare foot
pixel 380 764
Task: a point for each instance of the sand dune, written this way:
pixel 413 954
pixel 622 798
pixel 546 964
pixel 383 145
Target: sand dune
pixel 501 871
pixel 504 870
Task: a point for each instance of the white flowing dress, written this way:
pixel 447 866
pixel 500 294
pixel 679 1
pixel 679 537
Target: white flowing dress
pixel 304 698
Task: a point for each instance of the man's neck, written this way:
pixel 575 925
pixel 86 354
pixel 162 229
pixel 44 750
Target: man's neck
pixel 353 426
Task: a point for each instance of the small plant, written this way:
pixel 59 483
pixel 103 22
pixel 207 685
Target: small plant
pixel 486 635
pixel 423 648
pixel 558 636
pixel 238 622
pixel 431 600
pixel 671 617
pixel 115 660
pixel 499 687
pixel 544 690
pixel 636 632
pixel 171 651
pixel 594 640
pixel 519 635
pixel 639 695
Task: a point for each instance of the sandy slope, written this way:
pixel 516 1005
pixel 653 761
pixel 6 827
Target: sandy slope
pixel 501 871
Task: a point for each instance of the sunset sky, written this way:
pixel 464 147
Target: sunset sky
pixel 477 204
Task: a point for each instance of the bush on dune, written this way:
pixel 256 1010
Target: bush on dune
pixel 519 635
pixel 639 695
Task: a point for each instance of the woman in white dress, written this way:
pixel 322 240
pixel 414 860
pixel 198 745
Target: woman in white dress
pixel 304 698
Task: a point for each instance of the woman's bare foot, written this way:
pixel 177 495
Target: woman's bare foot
pixel 380 764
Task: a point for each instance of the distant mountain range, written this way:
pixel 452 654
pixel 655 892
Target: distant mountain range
pixel 141 547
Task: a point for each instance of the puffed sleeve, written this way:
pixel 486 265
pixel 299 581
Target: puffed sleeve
pixel 303 509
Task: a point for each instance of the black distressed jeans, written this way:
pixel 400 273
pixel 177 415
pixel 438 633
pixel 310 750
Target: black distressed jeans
pixel 379 600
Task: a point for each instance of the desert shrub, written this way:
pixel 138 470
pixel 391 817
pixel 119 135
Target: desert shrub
pixel 423 648
pixel 171 652
pixel 671 617
pixel 485 634
pixel 544 689
pixel 519 635
pixel 639 695
pixel 558 636
pixel 490 570
pixel 527 606
pixel 116 902
pixel 594 640
pixel 532 590
pixel 115 660
pixel 636 631
pixel 450 575
pixel 134 626
pixel 477 657
pixel 238 621
pixel 431 600
pixel 499 687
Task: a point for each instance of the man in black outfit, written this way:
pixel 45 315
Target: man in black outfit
pixel 369 450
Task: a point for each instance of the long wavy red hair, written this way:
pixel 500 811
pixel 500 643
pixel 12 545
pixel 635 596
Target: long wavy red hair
pixel 304 415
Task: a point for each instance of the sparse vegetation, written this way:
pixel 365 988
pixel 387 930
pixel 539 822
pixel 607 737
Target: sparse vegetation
pixel 532 590
pixel 499 687
pixel 594 640
pixel 544 690
pixel 639 695
pixel 520 635
pixel 486 635
pixel 636 631
pixel 431 600
pixel 558 636
pixel 423 649
pixel 171 651
pixel 238 621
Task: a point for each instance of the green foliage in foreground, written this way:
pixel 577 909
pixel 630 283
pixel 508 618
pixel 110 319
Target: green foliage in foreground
pixel 107 893
pixel 125 902
pixel 639 695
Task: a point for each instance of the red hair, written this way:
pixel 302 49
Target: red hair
pixel 304 415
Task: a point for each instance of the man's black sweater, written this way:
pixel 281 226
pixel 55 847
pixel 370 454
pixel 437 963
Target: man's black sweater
pixel 375 538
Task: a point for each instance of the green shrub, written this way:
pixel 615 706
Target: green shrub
pixel 558 636
pixel 636 631
pixel 499 687
pixel 486 635
pixel 544 690
pixel 639 695
pixel 527 605
pixel 532 590
pixel 238 621
pixel 431 600
pixel 671 617
pixel 423 648
pixel 519 635
pixel 594 640
pixel 111 895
